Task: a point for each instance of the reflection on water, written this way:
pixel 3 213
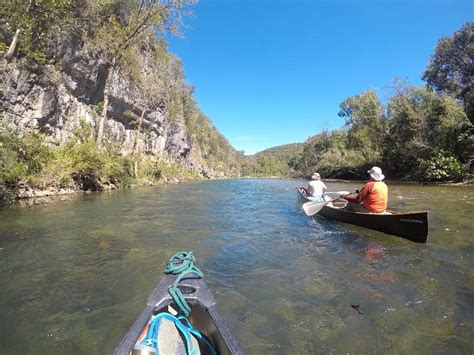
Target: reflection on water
pixel 74 274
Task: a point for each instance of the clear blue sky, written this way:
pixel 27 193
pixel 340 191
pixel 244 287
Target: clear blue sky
pixel 272 72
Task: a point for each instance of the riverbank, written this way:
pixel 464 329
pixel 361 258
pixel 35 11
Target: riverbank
pixel 31 166
pixel 26 194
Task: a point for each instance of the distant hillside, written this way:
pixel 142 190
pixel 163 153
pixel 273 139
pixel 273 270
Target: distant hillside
pixel 283 152
pixel 275 161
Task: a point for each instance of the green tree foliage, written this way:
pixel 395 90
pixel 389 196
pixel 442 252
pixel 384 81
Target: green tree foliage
pixel 312 150
pixel 451 67
pixel 22 157
pixel 328 153
pixel 366 125
pixel 31 22
pixel 407 126
pixel 31 160
pixel 424 136
pixel 276 161
pixel 440 167
pixel 421 124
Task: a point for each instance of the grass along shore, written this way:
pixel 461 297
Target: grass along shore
pixel 31 167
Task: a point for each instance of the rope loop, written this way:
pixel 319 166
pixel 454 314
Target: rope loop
pixel 181 264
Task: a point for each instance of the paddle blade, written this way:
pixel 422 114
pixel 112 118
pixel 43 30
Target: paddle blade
pixel 311 208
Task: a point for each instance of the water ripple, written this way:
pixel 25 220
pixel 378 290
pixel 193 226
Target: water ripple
pixel 74 274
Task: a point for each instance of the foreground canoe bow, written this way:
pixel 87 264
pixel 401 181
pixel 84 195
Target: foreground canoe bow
pixel 204 316
pixel 409 225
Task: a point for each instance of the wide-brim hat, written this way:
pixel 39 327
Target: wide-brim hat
pixel 376 173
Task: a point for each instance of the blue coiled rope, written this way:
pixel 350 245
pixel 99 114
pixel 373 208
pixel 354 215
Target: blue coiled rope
pixel 181 264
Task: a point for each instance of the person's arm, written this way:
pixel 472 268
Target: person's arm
pixel 351 198
pixel 367 189
pixel 324 188
pixel 361 195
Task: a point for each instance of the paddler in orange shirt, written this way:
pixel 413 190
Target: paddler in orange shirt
pixel 373 197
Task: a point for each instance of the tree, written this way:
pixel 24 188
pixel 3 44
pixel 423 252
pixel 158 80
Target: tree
pixel 328 154
pixel 422 124
pixel 407 131
pixel 150 99
pixel 31 22
pixel 365 120
pixel 122 26
pixel 451 67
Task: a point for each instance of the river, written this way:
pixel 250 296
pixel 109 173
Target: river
pixel 74 274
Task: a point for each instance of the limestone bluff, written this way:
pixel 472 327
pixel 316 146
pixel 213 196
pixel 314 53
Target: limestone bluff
pixel 55 99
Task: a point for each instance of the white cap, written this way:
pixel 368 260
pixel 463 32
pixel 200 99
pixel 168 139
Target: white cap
pixel 376 173
pixel 316 176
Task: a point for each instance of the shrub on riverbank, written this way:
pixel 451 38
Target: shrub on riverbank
pixel 22 158
pixel 442 167
pixel 79 164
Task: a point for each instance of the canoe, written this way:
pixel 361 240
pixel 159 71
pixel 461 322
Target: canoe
pixel 409 225
pixel 204 316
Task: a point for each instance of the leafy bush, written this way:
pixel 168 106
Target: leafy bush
pixel 150 170
pixel 22 158
pixel 29 158
pixel 441 167
pixel 91 167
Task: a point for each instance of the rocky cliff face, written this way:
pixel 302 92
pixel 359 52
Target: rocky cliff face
pixel 55 98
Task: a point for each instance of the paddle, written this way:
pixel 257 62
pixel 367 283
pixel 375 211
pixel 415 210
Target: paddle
pixel 338 193
pixel 311 208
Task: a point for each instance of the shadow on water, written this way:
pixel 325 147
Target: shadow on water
pixel 75 274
